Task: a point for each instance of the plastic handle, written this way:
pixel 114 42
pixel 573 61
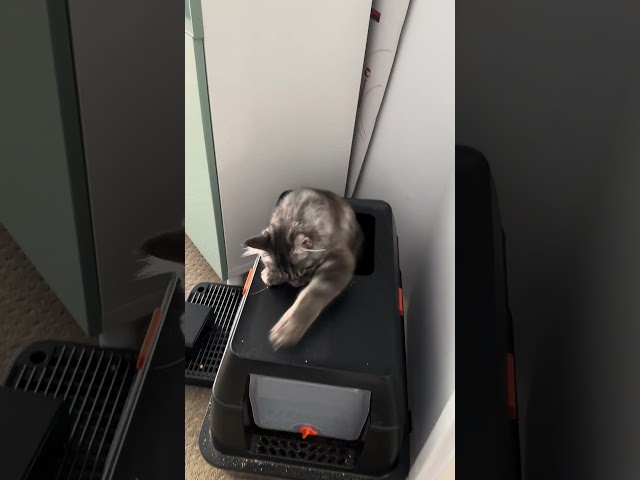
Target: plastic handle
pixel 512 403
pixel 306 431
pixel 247 282
pixel 148 338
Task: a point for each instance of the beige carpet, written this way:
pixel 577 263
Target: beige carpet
pixel 29 310
pixel 196 399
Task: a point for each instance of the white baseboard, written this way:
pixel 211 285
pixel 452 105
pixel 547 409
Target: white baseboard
pixel 439 451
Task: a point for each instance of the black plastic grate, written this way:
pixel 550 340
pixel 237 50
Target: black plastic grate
pixel 201 366
pixel 320 451
pixel 95 384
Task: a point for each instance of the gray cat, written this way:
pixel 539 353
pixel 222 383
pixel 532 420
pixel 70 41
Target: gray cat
pixel 313 241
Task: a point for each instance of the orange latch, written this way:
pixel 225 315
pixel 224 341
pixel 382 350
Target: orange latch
pixel 512 403
pixel 148 338
pixel 306 431
pixel 400 302
pixel 247 282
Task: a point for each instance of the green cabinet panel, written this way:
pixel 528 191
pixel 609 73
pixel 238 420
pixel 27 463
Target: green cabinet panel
pixel 203 216
pixel 193 18
pixel 44 201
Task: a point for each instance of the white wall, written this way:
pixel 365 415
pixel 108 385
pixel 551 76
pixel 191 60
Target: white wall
pixel 437 456
pixel 410 164
pixel 609 306
pixel 546 93
pixel 283 89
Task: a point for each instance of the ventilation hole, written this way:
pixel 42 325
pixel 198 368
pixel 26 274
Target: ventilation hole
pixel 318 451
pixel 37 357
pixel 200 289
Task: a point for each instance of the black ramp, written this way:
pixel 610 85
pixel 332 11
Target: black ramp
pixel 210 310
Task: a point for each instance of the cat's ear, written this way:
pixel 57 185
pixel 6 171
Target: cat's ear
pixel 259 242
pixel 303 243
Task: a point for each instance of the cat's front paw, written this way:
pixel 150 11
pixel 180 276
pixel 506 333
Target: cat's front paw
pixel 288 331
pixel 269 278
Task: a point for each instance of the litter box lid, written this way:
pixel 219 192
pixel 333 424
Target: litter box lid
pixel 487 401
pixel 360 331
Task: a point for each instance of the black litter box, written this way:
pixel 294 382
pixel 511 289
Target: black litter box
pixel 104 403
pixel 336 403
pixel 486 398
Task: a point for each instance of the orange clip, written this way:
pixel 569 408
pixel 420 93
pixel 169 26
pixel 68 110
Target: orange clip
pixel 400 302
pixel 512 403
pixel 306 431
pixel 247 282
pixel 148 338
